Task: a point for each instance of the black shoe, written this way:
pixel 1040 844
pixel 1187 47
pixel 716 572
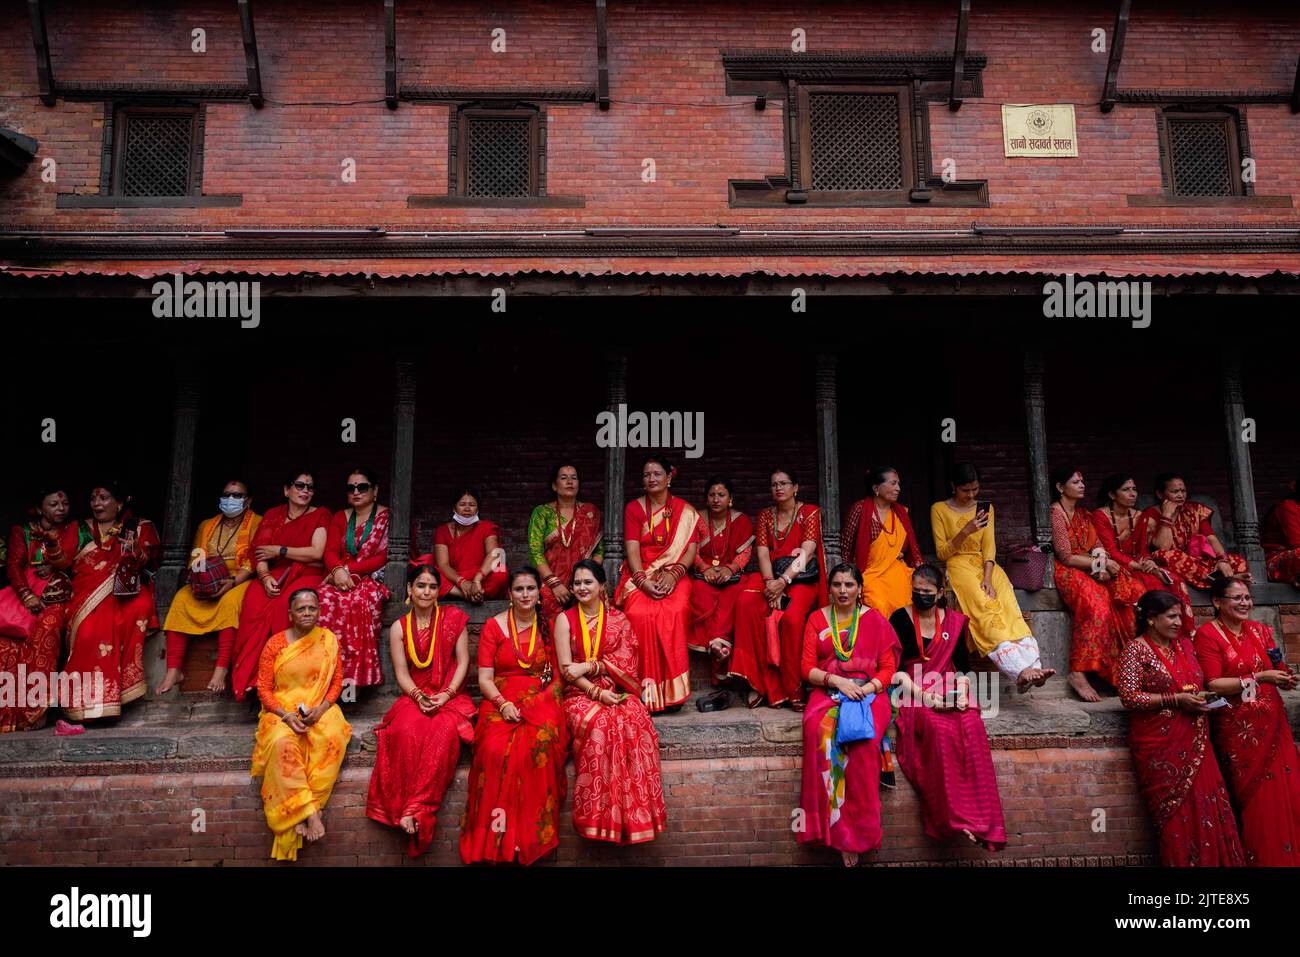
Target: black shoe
pixel 887 780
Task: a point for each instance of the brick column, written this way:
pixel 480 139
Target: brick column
pixel 828 457
pixel 1245 514
pixel 615 468
pixel 401 479
pixel 177 530
pixel 1036 442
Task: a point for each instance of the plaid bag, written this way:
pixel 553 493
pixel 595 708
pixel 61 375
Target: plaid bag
pixel 206 583
pixel 1026 567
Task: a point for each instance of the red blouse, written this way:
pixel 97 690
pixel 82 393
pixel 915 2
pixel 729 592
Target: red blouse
pixel 336 552
pixel 725 547
pixel 807 526
pixel 497 651
pixel 27 551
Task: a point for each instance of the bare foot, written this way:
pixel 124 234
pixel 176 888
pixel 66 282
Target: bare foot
pixel 315 827
pixel 720 649
pixel 408 824
pixel 170 680
pixel 1025 680
pixel 1079 683
pixel 970 837
pixel 218 682
pixel 1043 675
pixel 300 828
pixel 850 858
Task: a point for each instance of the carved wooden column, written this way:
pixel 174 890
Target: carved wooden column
pixel 828 457
pixel 1036 442
pixel 615 471
pixel 402 472
pixel 178 530
pixel 1245 513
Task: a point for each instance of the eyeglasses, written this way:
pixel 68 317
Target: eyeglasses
pixel 233 495
pixel 1243 600
pixel 361 487
pixel 304 486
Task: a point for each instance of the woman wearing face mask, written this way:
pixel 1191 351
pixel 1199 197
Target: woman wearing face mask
pixel 466 549
pixel 352 595
pixel 287 552
pixel 617 792
pixel 878 534
pixel 1182 539
pixel 561 534
pixel 1160 682
pixel 221 568
pixel 1252 736
pixel 33 609
pixel 112 607
pixel 419 738
pixel 942 746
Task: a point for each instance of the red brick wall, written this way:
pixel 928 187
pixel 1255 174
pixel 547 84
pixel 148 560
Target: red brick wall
pixel 721 811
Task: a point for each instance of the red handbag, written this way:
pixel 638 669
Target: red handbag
pixel 1026 567
pixel 207 582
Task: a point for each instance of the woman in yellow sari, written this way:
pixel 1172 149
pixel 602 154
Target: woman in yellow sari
pixel 879 539
pixel 302 735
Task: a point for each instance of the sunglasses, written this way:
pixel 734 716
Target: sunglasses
pixel 304 486
pixel 361 487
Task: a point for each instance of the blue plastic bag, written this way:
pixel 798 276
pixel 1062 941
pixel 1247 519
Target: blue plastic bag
pixel 855 722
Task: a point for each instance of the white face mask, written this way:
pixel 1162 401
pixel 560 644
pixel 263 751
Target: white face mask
pixel 230 507
pixel 460 519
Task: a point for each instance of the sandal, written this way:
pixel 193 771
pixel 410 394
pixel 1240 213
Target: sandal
pixel 717 701
pixel 753 699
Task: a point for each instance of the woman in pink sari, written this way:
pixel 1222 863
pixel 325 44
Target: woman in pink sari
pixel 942 746
pixel 112 607
pixel 659 534
pixel 466 550
pixel 849 656
pixel 287 550
pixel 352 595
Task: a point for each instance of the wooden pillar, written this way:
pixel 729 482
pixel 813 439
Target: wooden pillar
pixel 402 477
pixel 615 472
pixel 828 457
pixel 1036 442
pixel 1245 513
pixel 178 525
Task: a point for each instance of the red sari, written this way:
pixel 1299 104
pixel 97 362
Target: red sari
pixel 1176 770
pixel 618 793
pixel 106 631
pixel 1101 615
pixel 840 791
pixel 1189 555
pixel 767 656
pixel 517 780
pixel 565 545
pixel 355 615
pixel 1126 547
pixel 945 754
pixel 466 551
pixel 415 761
pixel 1280 536
pixel 660 624
pixel 713 607
pixel 30 644
pixel 1255 745
pixel 261 615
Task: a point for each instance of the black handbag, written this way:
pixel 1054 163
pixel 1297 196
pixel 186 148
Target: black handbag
pixel 809 576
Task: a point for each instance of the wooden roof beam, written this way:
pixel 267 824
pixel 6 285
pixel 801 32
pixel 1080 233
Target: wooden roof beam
pixel 602 57
pixel 390 53
pixel 1116 55
pixel 251 62
pixel 959 54
pixel 44 72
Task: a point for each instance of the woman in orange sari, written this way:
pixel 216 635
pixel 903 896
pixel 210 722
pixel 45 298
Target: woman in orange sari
pixel 1252 736
pixel 419 738
pixel 1182 537
pixel 112 607
pixel 878 534
pixel 1280 536
pixel 774 602
pixel 618 793
pixel 467 553
pixel 1098 592
pixel 659 534
pixel 726 543
pixel 33 609
pixel 517 781
pixel 287 552
pixel 302 735
pixel 561 534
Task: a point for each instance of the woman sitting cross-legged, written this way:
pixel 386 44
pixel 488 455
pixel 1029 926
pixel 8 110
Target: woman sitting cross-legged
pixel 942 746
pixel 617 793
pixel 302 735
pixel 850 655
pixel 419 738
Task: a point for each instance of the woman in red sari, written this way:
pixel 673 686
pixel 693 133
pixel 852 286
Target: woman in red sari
pixel 1242 662
pixel 287 549
pixel 419 738
pixel 1099 593
pixel 352 595
pixel 726 543
pixel 774 602
pixel 942 746
pixel 1123 532
pixel 465 548
pixel 561 534
pixel 33 609
pixel 878 535
pixel 517 780
pixel 849 653
pixel 659 534
pixel 1280 536
pixel 1161 683
pixel 618 793
pixel 112 607
pixel 1182 538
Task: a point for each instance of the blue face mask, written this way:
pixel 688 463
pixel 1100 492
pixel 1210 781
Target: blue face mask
pixel 230 507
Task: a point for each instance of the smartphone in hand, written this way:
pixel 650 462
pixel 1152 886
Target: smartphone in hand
pixel 983 505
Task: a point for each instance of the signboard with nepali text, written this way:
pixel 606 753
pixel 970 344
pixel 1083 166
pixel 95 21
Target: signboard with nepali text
pixel 1029 130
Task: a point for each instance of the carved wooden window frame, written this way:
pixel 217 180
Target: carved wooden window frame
pixel 118 117
pixel 1233 120
pixel 459 132
pixel 801 116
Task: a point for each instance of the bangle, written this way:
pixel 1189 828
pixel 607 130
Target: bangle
pixel 593 692
pixel 496 702
pixel 787 579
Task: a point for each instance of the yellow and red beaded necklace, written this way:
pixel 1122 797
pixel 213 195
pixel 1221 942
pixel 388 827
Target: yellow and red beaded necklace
pixel 842 651
pixel 410 637
pixel 514 639
pixel 590 650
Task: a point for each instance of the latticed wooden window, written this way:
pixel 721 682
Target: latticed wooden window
pixel 855 141
pixel 1201 154
pixel 154 152
pixel 499 154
